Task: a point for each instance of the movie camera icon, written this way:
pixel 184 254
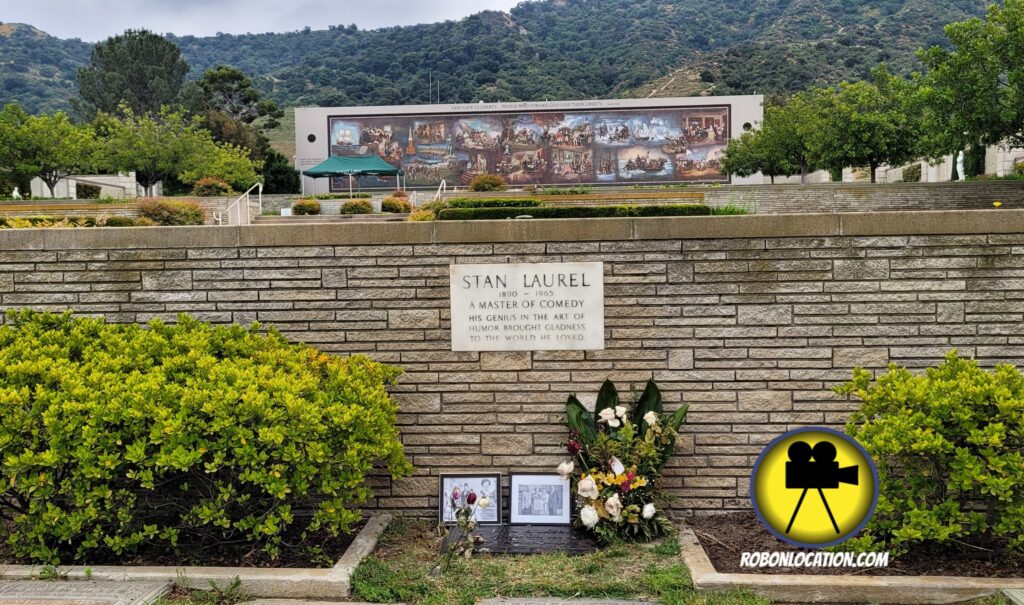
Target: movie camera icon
pixel 821 473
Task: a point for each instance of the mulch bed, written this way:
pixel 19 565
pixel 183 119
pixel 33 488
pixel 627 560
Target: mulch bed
pixel 320 551
pixel 725 536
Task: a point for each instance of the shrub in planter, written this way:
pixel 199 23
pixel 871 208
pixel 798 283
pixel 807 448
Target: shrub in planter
pixel 340 196
pixel 115 436
pixel 395 205
pixel 949 446
pixel 306 207
pixel 488 182
pixel 496 202
pixel 144 221
pixel 87 192
pixel 119 221
pixel 211 187
pixel 912 173
pixel 399 193
pixel 357 207
pixel 172 212
pixel 618 452
pixel 422 215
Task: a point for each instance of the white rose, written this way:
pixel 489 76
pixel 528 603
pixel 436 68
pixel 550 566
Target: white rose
pixel 614 423
pixel 606 415
pixel 483 502
pixel 587 487
pixel 617 467
pixel 589 516
pixel 620 411
pixel 613 505
pixel 648 511
pixel 565 469
pixel 651 418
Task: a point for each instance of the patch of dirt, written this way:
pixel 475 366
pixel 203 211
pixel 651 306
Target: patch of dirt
pixel 725 537
pixel 318 551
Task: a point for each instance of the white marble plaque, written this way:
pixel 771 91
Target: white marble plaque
pixel 528 307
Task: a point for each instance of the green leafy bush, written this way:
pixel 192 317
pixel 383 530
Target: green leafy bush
pixel 396 205
pixel 728 210
pixel 1018 169
pixel 912 173
pixel 172 212
pixel 476 214
pixel 488 182
pixel 496 202
pixel 306 207
pixel 119 221
pixel 118 436
pixel 87 192
pixel 422 215
pixel 357 207
pixel 576 190
pixel 949 446
pixel 211 187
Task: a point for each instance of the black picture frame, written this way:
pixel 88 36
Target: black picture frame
pixel 564 486
pixel 474 481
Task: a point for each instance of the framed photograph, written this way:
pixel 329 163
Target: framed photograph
pixel 540 500
pixel 482 485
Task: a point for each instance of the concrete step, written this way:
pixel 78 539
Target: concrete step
pixel 39 592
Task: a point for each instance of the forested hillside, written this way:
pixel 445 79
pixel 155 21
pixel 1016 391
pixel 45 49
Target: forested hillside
pixel 547 49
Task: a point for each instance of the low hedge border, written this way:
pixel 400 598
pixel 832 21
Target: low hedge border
pixel 494 202
pixel 477 214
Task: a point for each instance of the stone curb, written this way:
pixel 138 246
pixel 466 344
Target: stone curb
pixel 276 583
pixel 785 588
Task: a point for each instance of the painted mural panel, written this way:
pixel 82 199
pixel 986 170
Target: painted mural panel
pixel 682 144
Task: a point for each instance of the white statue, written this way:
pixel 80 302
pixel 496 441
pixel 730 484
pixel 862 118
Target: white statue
pixel 15 195
pixel 961 173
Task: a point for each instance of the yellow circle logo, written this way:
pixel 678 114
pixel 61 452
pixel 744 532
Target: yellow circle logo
pixel 814 487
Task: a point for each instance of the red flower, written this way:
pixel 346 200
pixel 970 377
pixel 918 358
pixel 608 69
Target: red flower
pixel 574 447
pixel 471 498
pixel 625 487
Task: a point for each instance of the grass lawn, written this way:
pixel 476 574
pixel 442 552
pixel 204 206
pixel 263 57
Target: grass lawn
pixel 399 571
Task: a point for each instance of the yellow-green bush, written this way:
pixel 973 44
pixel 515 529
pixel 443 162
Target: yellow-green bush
pixel 949 446
pixel 488 182
pixel 117 436
pixel 306 207
pixel 357 207
pixel 396 205
pixel 172 212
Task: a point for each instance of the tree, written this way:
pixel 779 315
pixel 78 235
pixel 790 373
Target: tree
pixel 864 124
pixel 53 148
pixel 278 174
pixel 973 93
pixel 780 146
pixel 170 145
pixel 12 169
pixel 139 70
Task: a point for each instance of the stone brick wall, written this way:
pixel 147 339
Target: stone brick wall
pixel 749 319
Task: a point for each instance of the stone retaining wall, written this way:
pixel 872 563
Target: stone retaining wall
pixel 749 319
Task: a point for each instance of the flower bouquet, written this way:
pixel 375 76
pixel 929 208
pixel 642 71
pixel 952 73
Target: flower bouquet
pixel 465 519
pixel 618 453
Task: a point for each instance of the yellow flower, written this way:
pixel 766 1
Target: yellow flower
pixel 997 204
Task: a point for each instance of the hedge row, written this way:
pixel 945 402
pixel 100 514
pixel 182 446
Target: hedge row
pixel 495 202
pixel 339 196
pixel 477 214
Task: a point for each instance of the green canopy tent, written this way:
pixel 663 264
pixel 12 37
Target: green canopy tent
pixel 352 166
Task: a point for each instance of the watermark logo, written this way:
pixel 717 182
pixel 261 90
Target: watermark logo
pixel 814 487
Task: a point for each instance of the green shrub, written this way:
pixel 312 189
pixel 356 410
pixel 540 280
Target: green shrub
pixel 728 210
pixel 87 192
pixel 912 173
pixel 144 221
pixel 396 205
pixel 340 196
pixel 47 222
pixel 1018 169
pixel 497 202
pixel 172 212
pixel 949 446
pixel 357 207
pixel 306 207
pixel 119 221
pixel 211 187
pixel 488 182
pixel 422 215
pixel 118 436
pixel 476 214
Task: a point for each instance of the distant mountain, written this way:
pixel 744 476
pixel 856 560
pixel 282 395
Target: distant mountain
pixel 549 49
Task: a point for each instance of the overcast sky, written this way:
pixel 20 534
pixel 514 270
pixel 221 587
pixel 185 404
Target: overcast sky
pixel 97 19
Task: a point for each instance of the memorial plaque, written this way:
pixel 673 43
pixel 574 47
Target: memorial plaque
pixel 528 307
pixel 526 540
pixel 75 592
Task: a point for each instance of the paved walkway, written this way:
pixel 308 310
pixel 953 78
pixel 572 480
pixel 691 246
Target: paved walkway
pixel 56 592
